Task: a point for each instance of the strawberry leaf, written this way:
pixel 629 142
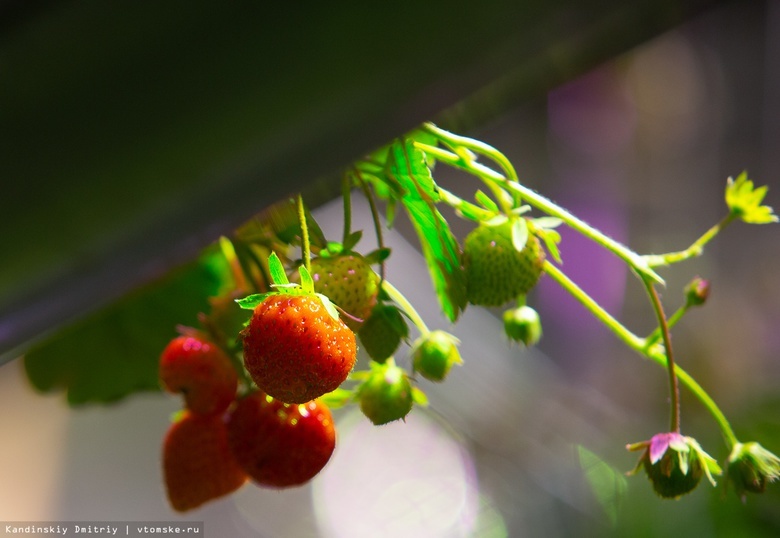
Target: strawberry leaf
pixel 115 352
pixel 407 165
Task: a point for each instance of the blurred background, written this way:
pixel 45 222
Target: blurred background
pixel 640 147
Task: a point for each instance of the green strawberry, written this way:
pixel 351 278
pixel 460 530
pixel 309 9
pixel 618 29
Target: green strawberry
pixel 522 324
pixel 434 354
pixel 349 282
pixel 382 332
pixel 387 393
pixel 496 272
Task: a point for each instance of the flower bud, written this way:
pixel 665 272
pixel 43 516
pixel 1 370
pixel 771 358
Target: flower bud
pixel 522 324
pixel 750 466
pixel 697 291
pixel 674 463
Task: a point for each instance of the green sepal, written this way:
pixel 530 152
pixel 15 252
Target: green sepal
pixel 337 398
pixel 519 234
pixel 328 305
pixel 275 267
pixel 419 397
pixel 744 201
pixel 307 283
pixel 250 302
pixel 377 256
pixel 352 240
pixel 485 201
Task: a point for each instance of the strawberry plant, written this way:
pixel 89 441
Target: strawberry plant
pixel 283 332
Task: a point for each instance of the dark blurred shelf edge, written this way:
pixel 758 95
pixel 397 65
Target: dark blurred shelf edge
pixel 134 134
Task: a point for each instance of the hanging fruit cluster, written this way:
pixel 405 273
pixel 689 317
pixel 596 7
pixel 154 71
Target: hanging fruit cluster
pixel 279 350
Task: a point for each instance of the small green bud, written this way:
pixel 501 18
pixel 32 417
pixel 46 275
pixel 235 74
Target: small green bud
pixel 387 393
pixel 674 464
pixel 697 291
pixel 750 467
pixel 522 324
pixel 434 354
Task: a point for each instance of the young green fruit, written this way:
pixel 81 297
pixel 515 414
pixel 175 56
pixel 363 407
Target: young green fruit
pixel 522 324
pixel 386 395
pixel 496 272
pixel 350 283
pixel 295 350
pixel 382 332
pixel 199 370
pixel 434 354
pixel 281 445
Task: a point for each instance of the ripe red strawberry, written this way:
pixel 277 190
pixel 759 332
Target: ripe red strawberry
pixel 294 350
pixel 382 332
pixel 281 445
pixel 201 371
pixel 496 271
pixel 349 282
pixel 198 465
pixel 386 395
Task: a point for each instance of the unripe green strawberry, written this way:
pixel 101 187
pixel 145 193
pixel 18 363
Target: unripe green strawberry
pixel 201 371
pixel 495 271
pixel 349 282
pixel 294 350
pixel 522 324
pixel 434 354
pixel 383 331
pixel 386 395
pixel 281 445
pixel 198 465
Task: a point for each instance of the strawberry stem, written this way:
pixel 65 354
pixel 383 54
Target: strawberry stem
pixel 696 248
pixel 643 347
pixel 306 246
pixel 346 196
pixel 375 217
pixel 674 387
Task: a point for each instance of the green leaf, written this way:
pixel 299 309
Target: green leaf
pixel 115 352
pixel 744 201
pixel 608 485
pixel 408 166
pixel 278 275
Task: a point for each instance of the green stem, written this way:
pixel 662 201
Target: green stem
pixel 696 248
pixel 701 395
pixel 401 301
pixel 375 217
pixel 306 246
pixel 641 346
pixel 637 262
pixel 674 387
pixel 655 336
pixel 633 341
pixel 346 196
